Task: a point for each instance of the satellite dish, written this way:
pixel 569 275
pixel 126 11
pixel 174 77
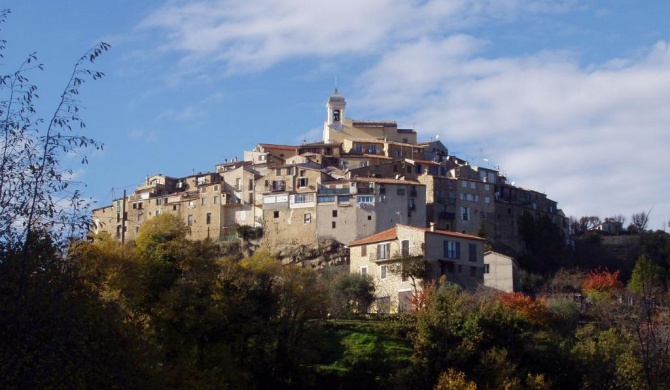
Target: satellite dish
pixel 437 136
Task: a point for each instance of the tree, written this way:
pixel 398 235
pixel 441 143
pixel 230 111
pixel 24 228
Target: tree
pixel 601 283
pixel 414 268
pixel 35 190
pixel 351 293
pixel 646 279
pixel 639 222
pixel 54 319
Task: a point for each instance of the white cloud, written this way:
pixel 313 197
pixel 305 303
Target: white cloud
pixel 591 135
pixel 594 139
pixel 249 36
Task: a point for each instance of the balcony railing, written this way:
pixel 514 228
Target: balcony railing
pixel 365 190
pixel 333 191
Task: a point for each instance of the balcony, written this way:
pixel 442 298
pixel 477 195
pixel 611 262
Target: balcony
pixel 447 215
pixel 365 190
pixel 333 191
pixel 278 186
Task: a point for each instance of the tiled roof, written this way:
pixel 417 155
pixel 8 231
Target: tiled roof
pixel 274 146
pixel 427 162
pixel 385 180
pixel 364 123
pixel 378 156
pixel 392 234
pixel 386 235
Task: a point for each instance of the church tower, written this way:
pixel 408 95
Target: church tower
pixel 335 115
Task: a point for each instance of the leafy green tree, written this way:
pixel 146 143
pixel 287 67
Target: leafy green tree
pixel 351 293
pixel 605 359
pixel 646 279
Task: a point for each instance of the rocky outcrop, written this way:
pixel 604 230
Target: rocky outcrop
pixel 324 254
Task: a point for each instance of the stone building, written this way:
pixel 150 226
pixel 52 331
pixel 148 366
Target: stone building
pixel 457 256
pixel 364 177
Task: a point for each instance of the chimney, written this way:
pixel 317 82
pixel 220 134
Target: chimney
pixel 432 226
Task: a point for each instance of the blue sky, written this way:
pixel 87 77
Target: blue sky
pixel 567 97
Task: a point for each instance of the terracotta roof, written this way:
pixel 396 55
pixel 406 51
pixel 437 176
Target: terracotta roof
pixel 386 235
pixel 416 160
pixel 366 123
pixel 385 180
pixel 273 146
pixel 392 234
pixel 379 156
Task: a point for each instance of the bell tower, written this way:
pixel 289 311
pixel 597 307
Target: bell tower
pixel 335 115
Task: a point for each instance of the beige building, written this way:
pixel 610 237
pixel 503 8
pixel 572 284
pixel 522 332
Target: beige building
pixel 363 178
pixel 457 256
pixel 501 272
pixel 351 209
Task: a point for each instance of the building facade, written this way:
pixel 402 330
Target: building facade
pixel 457 256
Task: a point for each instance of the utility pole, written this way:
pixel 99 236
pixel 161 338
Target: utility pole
pixel 123 218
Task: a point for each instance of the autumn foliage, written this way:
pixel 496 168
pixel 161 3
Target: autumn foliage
pixel 602 282
pixel 533 310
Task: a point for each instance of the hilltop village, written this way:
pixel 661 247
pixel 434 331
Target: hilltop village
pixel 367 182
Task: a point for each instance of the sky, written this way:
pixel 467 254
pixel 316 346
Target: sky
pixel 567 97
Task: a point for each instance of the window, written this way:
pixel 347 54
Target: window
pixel 412 204
pixel 308 218
pixel 383 251
pixel 238 184
pixel 487 200
pixel 486 187
pixel 250 186
pixel 365 199
pixel 278 172
pixel 216 200
pixel 405 248
pixel 209 218
pixel 473 271
pixel 472 252
pixel 364 271
pixel 487 268
pixel 190 220
pixel 473 185
pixel 382 198
pixel 159 212
pixel 401 190
pixel 465 184
pixel 369 217
pixel 159 202
pixel 302 182
pixel 325 199
pixel 452 249
pixel 336 115
pixel 118 205
pixel 364 250
pixel 460 269
pixel 203 201
pixel 300 198
pixel 382 272
pixel 465 213
pixel 334 224
pixel 275 214
pixel 203 189
pixel 334 213
pixel 216 188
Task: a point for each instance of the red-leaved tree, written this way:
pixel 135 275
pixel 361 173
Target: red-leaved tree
pixel 602 282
